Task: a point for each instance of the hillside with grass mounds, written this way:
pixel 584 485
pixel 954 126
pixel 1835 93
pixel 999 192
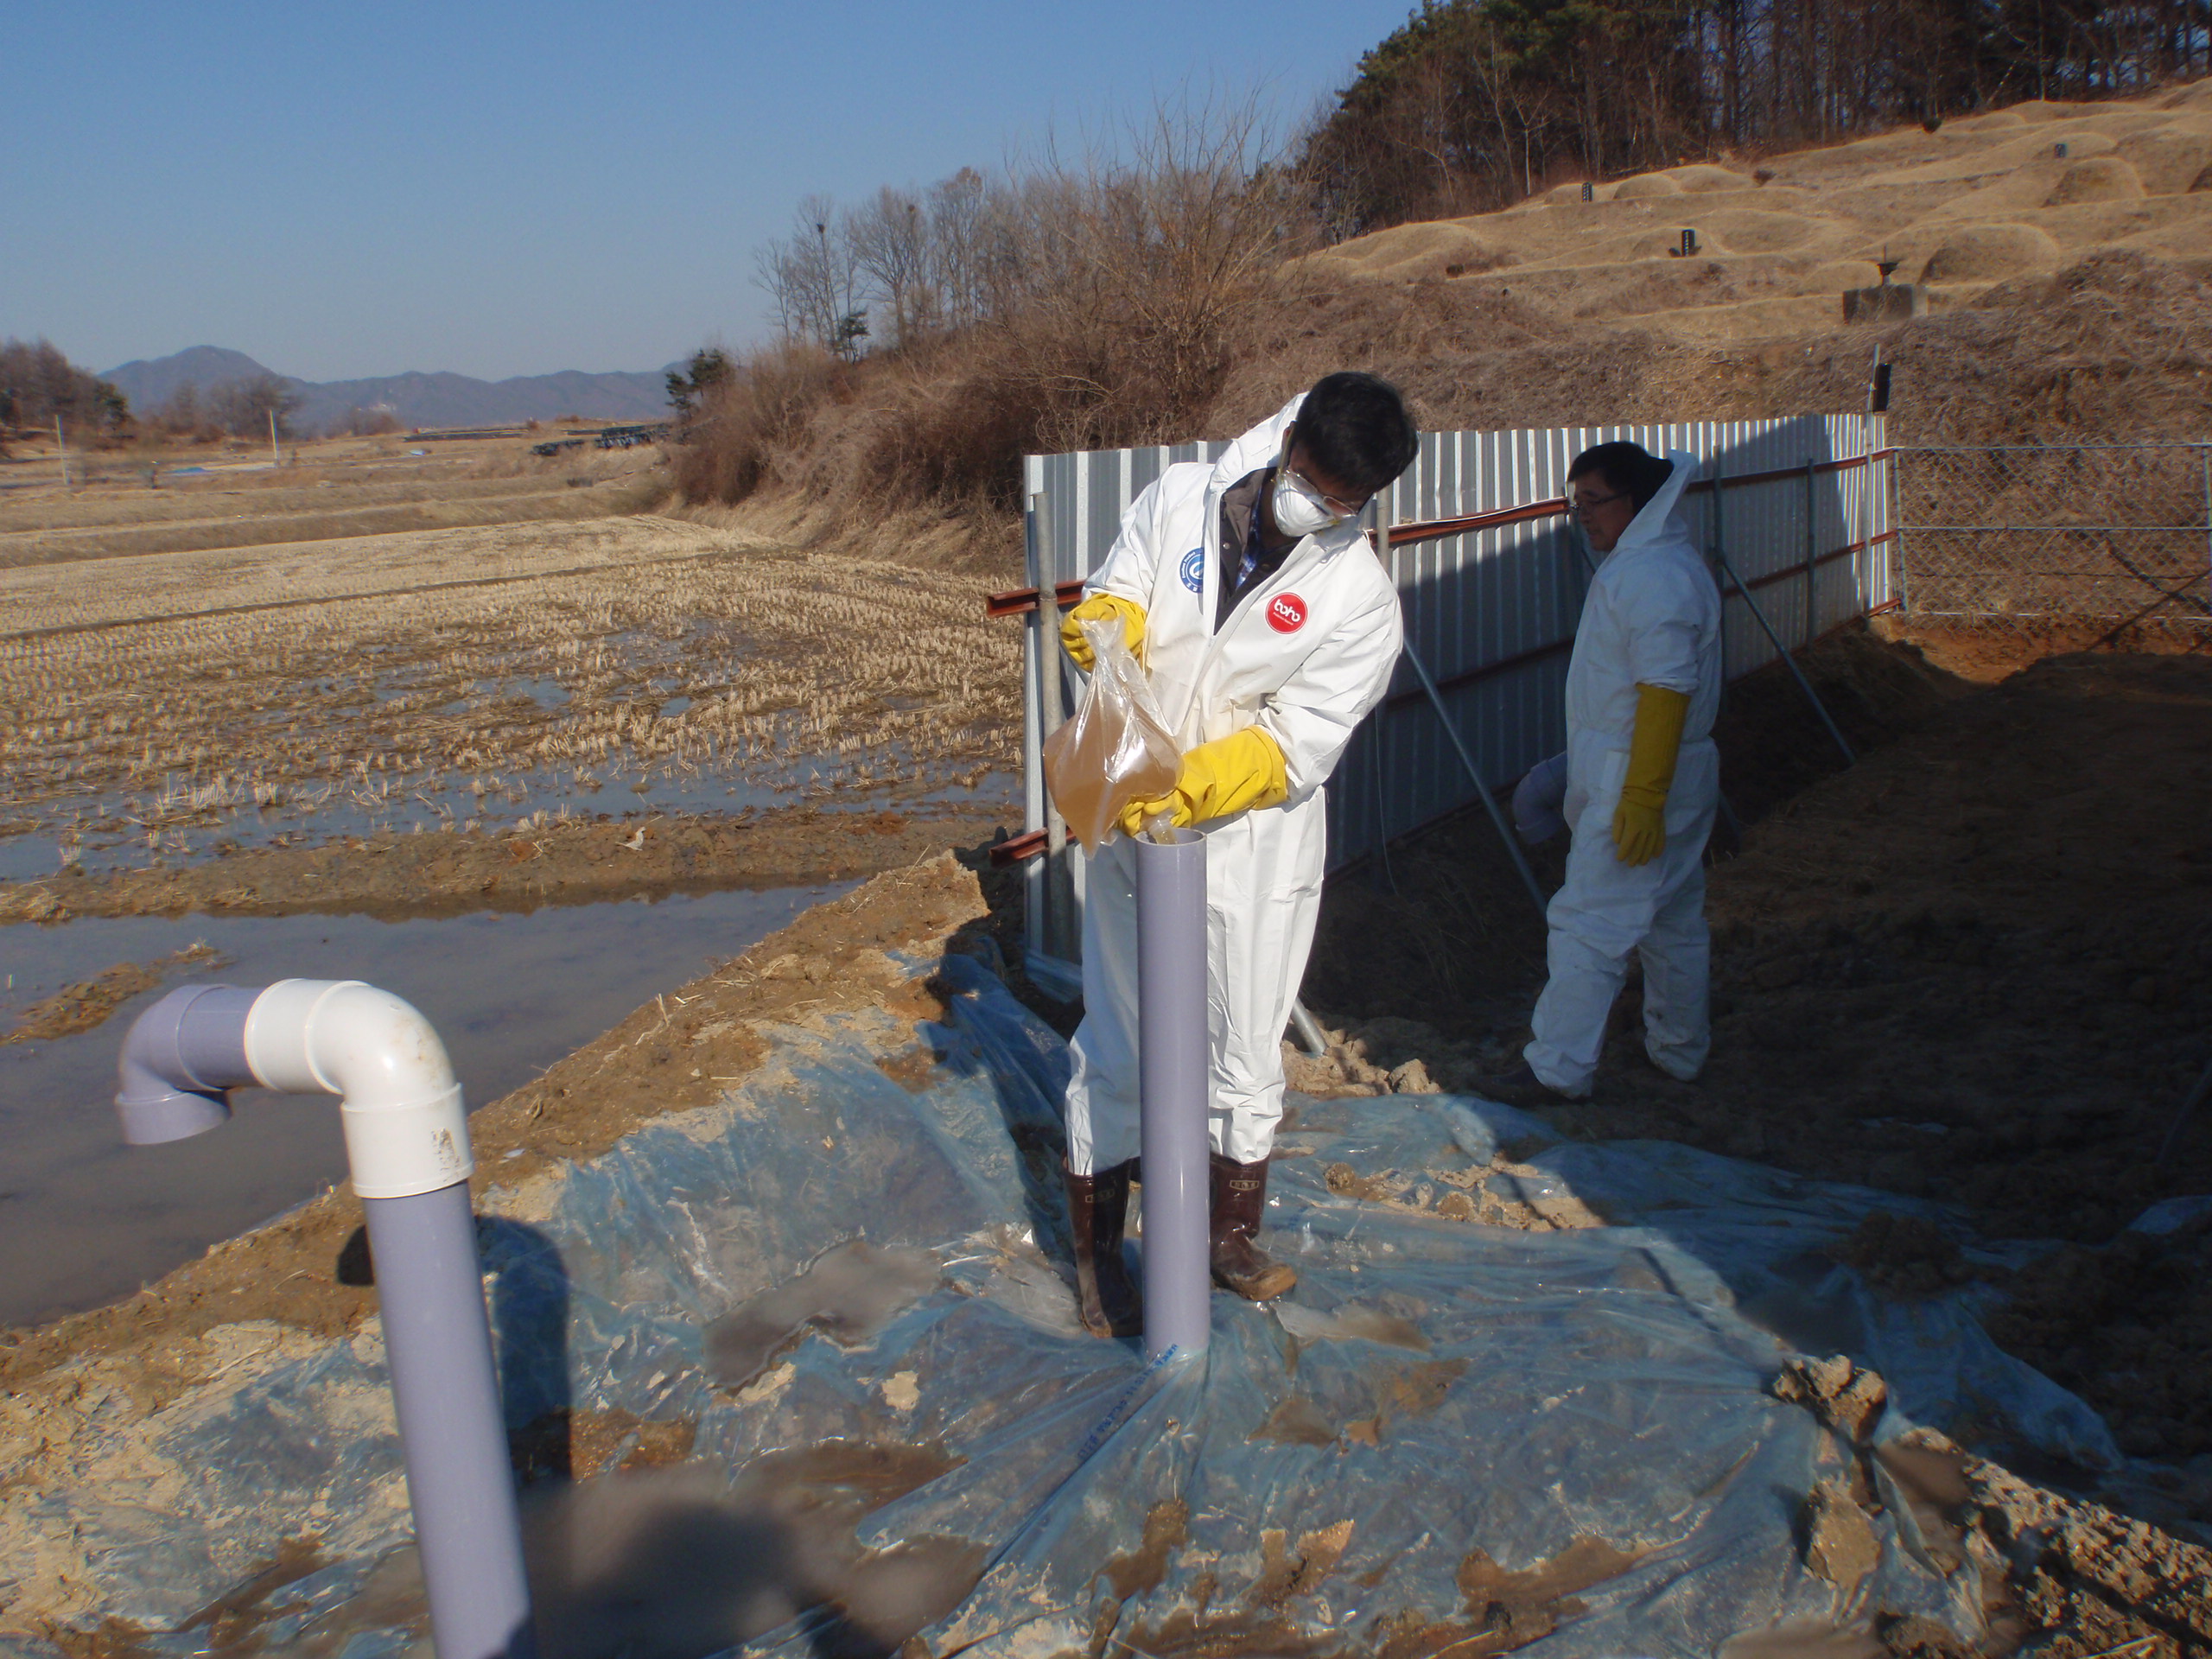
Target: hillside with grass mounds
pixel 1977 202
pixel 2065 293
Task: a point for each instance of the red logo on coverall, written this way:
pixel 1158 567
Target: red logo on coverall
pixel 1286 613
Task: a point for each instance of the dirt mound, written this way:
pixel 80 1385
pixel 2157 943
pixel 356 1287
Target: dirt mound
pixel 2168 159
pixel 453 872
pixel 2128 1327
pixel 2102 178
pixel 1773 745
pixel 1984 252
pixel 1745 232
pixel 1976 967
pixel 1837 275
pixel 1412 251
pixel 1646 186
pixel 1700 180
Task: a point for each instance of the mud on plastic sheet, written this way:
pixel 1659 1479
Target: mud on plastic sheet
pixel 818 1336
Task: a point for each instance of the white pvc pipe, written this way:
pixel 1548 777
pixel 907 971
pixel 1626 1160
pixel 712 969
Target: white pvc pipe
pixel 407 1142
pixel 405 1129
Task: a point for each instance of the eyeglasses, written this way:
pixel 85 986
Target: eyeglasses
pixel 1336 505
pixel 1581 501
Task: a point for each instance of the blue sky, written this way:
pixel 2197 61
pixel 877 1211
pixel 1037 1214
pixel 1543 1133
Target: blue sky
pixel 499 189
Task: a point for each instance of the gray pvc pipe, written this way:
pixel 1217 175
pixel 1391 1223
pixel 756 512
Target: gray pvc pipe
pixel 1173 1072
pixel 1310 1037
pixel 446 1390
pixel 180 1060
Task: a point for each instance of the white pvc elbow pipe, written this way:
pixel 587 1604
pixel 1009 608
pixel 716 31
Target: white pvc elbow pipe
pixel 406 1131
pixel 407 1142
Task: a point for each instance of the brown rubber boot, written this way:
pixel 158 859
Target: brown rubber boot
pixel 1240 1199
pixel 1098 1206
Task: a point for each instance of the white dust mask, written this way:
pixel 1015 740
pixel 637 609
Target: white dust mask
pixel 1298 511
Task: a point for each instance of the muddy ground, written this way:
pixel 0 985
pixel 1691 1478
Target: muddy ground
pixel 452 872
pixel 2096 1577
pixel 1976 967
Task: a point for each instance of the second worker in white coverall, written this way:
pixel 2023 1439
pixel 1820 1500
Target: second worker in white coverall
pixel 1641 782
pixel 1268 629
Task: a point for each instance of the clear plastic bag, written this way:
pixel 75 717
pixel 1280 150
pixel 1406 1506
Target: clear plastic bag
pixel 1116 747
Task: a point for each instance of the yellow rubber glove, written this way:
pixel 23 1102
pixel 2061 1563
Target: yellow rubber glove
pixel 1097 608
pixel 1640 821
pixel 1230 774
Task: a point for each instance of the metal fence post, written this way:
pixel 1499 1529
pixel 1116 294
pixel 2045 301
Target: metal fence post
pixel 1036 809
pixel 1377 733
pixel 1062 938
pixel 1812 551
pixel 1474 776
pixel 1788 661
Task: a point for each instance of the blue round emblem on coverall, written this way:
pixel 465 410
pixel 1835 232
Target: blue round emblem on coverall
pixel 1194 569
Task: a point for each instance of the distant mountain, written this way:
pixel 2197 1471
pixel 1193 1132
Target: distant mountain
pixel 150 384
pixel 416 399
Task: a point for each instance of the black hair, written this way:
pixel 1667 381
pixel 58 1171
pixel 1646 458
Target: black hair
pixel 1628 467
pixel 1355 428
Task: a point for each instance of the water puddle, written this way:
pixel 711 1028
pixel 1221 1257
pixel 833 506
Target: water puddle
pixel 84 1219
pixel 189 825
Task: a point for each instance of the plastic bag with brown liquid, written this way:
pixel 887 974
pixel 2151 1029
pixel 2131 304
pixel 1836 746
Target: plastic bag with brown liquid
pixel 1116 748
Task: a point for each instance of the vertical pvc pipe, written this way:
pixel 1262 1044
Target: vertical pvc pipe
pixel 1173 1068
pixel 438 1343
pixel 406 1146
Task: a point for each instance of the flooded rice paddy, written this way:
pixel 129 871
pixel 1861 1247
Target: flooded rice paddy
pixel 84 1219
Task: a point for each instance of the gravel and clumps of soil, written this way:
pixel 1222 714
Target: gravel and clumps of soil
pixel 2078 1579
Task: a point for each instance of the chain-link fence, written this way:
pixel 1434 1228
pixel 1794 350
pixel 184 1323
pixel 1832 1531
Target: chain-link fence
pixel 2118 532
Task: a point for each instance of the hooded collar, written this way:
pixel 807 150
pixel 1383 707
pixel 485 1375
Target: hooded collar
pixel 1663 518
pixel 1262 446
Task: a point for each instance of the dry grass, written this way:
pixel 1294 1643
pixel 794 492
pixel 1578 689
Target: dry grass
pixel 335 489
pixel 2085 318
pixel 376 673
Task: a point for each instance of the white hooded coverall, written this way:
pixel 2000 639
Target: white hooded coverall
pixel 1304 656
pixel 1652 617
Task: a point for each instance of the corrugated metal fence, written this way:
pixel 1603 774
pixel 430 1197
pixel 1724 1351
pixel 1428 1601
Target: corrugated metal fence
pixel 1492 577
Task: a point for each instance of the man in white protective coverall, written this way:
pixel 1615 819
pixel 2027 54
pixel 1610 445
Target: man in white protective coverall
pixel 1268 629
pixel 1641 781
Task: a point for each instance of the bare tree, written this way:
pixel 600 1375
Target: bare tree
pixel 890 243
pixel 814 280
pixel 246 408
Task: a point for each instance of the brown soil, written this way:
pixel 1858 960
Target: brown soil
pixel 447 872
pixel 85 1006
pixel 1975 966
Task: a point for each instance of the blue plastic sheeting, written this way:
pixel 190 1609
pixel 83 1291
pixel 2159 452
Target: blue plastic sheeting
pixel 1440 1407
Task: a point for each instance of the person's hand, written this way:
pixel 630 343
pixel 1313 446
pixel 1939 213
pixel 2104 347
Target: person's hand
pixel 1537 799
pixel 1230 774
pixel 1639 830
pixel 1100 608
